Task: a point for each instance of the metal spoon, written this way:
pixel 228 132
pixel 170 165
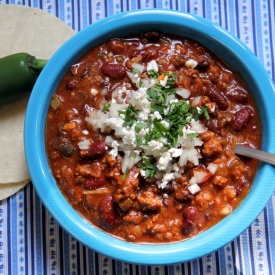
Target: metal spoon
pixel 254 153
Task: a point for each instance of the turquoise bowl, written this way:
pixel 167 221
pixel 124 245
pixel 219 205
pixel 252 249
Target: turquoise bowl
pixel 219 41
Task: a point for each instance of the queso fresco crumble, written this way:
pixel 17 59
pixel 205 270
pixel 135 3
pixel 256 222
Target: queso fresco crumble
pixel 152 122
pixel 140 137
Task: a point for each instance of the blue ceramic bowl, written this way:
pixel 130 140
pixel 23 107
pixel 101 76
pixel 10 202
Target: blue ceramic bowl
pixel 212 36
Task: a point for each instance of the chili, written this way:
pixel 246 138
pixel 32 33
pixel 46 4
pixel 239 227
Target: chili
pixel 142 139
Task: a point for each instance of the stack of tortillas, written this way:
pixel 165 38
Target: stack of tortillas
pixel 22 29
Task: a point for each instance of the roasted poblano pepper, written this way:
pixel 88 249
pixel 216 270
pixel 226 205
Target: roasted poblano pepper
pixel 18 73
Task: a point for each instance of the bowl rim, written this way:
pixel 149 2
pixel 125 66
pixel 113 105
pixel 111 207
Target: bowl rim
pixel 46 188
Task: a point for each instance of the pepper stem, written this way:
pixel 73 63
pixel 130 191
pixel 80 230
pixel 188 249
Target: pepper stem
pixel 38 64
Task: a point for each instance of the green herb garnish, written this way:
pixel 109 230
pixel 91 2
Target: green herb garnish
pixel 125 174
pixel 139 126
pixel 148 167
pixel 153 73
pixel 136 71
pixel 106 107
pixel 130 116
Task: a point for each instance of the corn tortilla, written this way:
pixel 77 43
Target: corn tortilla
pixel 31 30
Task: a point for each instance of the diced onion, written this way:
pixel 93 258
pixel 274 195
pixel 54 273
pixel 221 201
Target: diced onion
pixel 212 168
pixel 194 188
pixel 197 127
pixel 226 210
pixel 183 92
pixel 132 77
pixel 129 160
pixel 200 176
pixel 197 142
pixel 190 154
pixel 109 140
pixel 196 101
pixel 138 67
pixel 115 108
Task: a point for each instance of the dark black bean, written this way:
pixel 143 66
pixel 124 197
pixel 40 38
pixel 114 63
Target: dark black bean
pixel 151 36
pixel 203 65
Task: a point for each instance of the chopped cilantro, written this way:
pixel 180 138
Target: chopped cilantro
pixel 153 73
pixel 139 126
pixel 204 112
pixel 125 174
pixel 130 116
pixel 160 93
pixel 148 167
pixel 158 107
pixel 192 135
pixel 160 127
pixel 136 71
pixel 139 140
pixel 106 107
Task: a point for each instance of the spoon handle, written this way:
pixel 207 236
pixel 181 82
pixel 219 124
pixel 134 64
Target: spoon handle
pixel 254 153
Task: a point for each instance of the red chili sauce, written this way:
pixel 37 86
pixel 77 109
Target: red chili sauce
pixel 176 188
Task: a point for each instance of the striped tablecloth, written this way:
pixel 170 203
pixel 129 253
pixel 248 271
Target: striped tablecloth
pixel 31 242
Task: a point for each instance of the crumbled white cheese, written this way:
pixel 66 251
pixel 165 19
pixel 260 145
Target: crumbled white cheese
pixel 85 132
pixel 191 63
pixel 155 145
pixel 133 144
pixel 84 144
pixel 94 91
pixel 166 179
pixel 156 115
pixel 114 151
pixel 164 81
pixel 163 161
pixel 175 152
pixel 143 173
pixel 152 65
pixel 114 122
pixel 142 116
pixel 145 105
pixel 129 137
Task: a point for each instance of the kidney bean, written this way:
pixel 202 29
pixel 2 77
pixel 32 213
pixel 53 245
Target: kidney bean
pixel 241 185
pixel 116 71
pixel 242 117
pixel 116 46
pixel 106 212
pixel 94 183
pixel 189 220
pixel 97 149
pixel 238 95
pixel 149 54
pixel 217 96
pixel 151 36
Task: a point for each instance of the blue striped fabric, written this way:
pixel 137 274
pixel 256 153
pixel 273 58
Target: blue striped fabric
pixel 31 242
